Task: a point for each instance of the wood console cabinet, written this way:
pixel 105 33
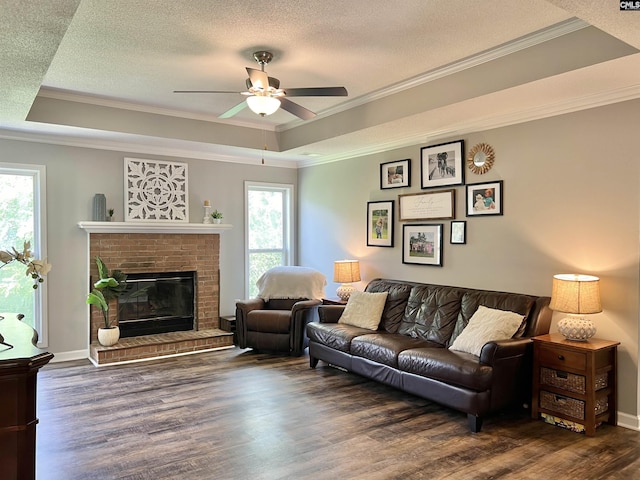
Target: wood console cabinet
pixel 574 381
pixel 18 371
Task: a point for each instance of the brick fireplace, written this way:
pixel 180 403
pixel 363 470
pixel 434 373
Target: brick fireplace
pixel 157 248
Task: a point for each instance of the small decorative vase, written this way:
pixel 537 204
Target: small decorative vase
pixel 99 208
pixel 108 336
pixel 217 221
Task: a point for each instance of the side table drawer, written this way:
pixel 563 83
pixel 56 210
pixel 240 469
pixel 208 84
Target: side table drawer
pixel 570 381
pixel 571 407
pixel 562 359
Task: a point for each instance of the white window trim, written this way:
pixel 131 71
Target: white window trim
pixel 288 223
pixel 38 174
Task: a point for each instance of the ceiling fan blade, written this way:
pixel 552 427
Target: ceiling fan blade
pixel 295 109
pixel 234 110
pixel 259 79
pixel 316 92
pixel 203 91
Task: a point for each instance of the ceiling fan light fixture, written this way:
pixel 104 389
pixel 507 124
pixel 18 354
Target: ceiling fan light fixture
pixel 263 105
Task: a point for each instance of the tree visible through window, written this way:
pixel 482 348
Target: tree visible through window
pixel 21 210
pixel 269 217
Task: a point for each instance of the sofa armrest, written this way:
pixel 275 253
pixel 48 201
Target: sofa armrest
pixel 243 307
pixel 512 369
pixel 304 305
pixel 504 349
pixel 330 313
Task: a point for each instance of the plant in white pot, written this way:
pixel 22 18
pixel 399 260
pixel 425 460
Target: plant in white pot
pixel 107 288
pixel 216 216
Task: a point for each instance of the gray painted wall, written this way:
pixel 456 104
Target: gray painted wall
pixel 74 175
pixel 571 204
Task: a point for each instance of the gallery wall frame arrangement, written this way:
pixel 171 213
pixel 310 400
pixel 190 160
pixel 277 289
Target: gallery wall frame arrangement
pixel 380 223
pixel 422 244
pixel 440 205
pixel 458 232
pixel 155 191
pixel 442 165
pixel 395 174
pixel 484 198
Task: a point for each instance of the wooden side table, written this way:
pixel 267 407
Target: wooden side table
pixel 574 382
pixel 333 301
pixel 228 324
pixel 19 365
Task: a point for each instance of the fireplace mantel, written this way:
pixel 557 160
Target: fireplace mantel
pixel 153 227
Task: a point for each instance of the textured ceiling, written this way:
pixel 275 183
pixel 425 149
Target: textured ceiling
pixel 103 72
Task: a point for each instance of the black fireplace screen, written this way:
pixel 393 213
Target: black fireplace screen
pixel 157 303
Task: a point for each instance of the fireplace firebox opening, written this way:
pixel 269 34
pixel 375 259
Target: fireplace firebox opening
pixel 157 303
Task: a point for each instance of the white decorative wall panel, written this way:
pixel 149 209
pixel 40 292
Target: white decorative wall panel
pixel 155 191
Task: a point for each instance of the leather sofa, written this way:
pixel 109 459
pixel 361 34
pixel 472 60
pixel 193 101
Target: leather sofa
pixel 409 351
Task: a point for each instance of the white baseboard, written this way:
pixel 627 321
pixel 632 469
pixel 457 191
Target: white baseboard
pixel 629 421
pixel 69 356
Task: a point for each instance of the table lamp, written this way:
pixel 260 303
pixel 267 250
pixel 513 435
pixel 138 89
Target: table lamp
pixel 345 272
pixel 576 295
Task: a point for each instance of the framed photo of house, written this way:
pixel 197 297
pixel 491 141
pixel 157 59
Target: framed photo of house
pixel 442 165
pixel 395 174
pixel 427 206
pixel 484 198
pixel 422 244
pixel 458 232
pixel 380 224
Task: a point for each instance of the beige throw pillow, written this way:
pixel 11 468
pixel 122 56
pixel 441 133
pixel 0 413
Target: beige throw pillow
pixel 485 325
pixel 364 309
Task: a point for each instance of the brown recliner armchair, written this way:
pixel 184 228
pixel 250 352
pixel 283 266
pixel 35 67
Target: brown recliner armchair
pixel 276 321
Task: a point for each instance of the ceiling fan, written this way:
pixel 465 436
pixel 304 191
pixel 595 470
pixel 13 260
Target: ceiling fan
pixel 264 95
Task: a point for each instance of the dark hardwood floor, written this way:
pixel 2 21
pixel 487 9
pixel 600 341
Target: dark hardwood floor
pixel 233 414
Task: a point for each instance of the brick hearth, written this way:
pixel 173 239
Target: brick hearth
pixel 128 247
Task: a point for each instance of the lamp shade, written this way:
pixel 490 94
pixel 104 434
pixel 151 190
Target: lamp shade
pixel 577 294
pixel 263 104
pixel 346 271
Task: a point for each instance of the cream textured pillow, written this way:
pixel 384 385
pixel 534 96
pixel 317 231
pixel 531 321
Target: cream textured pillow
pixel 485 325
pixel 364 309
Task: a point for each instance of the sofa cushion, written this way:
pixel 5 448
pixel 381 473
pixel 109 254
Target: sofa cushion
pixel 398 293
pixel 485 325
pixel 364 310
pixel 448 366
pixel 431 313
pixel 513 302
pixel 334 335
pixel 385 347
pixel 272 321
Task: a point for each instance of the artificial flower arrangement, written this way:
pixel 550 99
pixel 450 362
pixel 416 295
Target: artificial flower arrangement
pixel 36 268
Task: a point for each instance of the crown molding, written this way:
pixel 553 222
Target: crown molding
pixel 487 123
pixel 536 38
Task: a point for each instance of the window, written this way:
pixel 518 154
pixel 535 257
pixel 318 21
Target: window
pixel 22 203
pixel 269 230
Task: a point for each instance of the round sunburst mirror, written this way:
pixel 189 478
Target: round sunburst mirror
pixel 480 158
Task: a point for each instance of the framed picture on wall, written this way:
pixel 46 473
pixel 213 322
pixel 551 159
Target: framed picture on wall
pixel 395 174
pixel 422 244
pixel 484 198
pixel 380 224
pixel 458 232
pixel 442 165
pixel 427 205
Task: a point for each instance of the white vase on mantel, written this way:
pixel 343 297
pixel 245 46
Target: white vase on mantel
pixel 108 336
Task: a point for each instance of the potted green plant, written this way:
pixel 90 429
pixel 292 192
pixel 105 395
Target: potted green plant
pixel 110 213
pixel 216 216
pixel 109 287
